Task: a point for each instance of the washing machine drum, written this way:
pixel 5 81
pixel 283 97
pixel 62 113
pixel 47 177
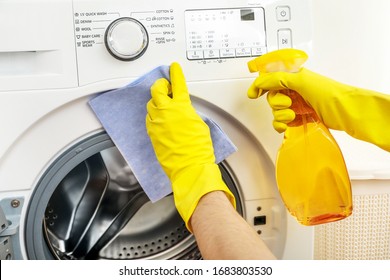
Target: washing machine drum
pixel 89 205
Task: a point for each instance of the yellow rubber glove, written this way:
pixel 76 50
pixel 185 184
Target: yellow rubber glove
pixel 182 143
pixel 362 113
pixel 280 104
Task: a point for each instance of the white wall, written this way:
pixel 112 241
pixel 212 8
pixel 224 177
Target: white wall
pixel 351 43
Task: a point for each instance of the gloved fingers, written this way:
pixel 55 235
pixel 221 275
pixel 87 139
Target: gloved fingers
pixel 284 115
pixel 280 104
pixel 279 126
pixel 282 118
pixel 179 86
pixel 161 91
pixel 254 92
pixel 278 100
pixel 151 111
pixel 267 81
pixel 273 81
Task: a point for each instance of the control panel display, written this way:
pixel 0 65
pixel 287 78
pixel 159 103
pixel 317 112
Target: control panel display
pixel 225 33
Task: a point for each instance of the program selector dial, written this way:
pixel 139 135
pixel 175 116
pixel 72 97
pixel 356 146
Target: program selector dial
pixel 126 39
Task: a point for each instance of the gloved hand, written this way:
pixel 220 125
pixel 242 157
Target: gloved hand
pixel 182 143
pixel 363 114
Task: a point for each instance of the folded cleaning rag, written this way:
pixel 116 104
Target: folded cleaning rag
pixel 122 113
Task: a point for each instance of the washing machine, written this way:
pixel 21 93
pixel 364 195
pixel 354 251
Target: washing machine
pixel 65 190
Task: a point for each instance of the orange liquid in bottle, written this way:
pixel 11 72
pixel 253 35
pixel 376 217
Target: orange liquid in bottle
pixel 310 169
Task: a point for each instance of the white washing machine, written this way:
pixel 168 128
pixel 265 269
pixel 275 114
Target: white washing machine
pixel 65 190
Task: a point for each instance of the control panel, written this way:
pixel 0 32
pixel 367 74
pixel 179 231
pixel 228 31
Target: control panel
pixel 126 40
pixel 126 35
pixel 225 33
pixel 85 42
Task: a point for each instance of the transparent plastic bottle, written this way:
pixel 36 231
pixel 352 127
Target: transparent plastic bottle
pixel 312 178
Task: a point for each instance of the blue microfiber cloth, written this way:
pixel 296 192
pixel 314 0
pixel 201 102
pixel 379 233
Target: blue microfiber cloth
pixel 122 113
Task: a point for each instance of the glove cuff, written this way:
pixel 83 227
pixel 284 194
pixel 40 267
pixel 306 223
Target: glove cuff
pixel 195 182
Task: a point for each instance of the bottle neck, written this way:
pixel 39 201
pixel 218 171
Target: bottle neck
pixel 303 112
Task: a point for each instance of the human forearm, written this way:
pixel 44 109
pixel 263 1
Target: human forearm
pixel 221 233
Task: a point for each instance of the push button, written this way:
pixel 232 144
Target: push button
pixel 258 51
pixel 211 54
pixel 242 52
pixel 283 13
pixel 284 38
pixel 193 55
pixel 226 53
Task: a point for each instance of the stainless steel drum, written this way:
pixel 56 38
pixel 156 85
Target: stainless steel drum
pixel 89 205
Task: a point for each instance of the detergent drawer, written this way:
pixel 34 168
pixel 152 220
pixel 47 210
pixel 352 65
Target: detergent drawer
pixel 37 46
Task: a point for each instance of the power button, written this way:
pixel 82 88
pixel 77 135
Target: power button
pixel 283 13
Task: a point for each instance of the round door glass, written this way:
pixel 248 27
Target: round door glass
pixel 89 205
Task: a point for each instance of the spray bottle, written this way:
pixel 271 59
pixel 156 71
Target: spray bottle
pixel 311 174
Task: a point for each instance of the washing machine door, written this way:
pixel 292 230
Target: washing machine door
pixel 94 208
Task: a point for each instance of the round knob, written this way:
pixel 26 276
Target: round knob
pixel 126 39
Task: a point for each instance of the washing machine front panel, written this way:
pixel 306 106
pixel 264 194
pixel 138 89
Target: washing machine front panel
pixel 48 104
pixel 255 186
